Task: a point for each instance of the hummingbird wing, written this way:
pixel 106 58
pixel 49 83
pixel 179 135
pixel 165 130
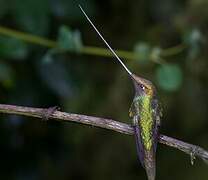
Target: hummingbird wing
pixel 157 114
pixel 134 113
pixel 139 145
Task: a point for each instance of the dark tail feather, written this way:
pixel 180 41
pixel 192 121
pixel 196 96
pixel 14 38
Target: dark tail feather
pixel 150 173
pixel 150 165
pixel 139 146
pixel 149 162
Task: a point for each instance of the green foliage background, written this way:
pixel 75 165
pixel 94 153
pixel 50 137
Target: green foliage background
pixel 169 39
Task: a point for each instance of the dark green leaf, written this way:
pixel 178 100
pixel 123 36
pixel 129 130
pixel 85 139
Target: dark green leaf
pixel 169 77
pixel 12 48
pixel 47 58
pixel 193 39
pixel 6 74
pixel 142 51
pixel 155 54
pixel 32 16
pixel 69 40
pixel 56 76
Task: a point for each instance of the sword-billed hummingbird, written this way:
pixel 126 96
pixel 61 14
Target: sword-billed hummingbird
pixel 145 112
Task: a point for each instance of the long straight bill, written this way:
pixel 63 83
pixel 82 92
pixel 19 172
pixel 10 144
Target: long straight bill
pixel 114 53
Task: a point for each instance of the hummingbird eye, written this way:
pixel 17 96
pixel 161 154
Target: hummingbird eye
pixel 142 87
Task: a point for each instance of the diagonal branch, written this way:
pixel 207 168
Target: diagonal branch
pixel 91 50
pixel 110 124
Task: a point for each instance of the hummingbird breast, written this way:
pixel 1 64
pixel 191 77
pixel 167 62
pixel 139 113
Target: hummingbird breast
pixel 143 109
pixel 144 113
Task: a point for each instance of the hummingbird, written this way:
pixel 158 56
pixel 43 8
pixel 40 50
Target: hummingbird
pixel 145 112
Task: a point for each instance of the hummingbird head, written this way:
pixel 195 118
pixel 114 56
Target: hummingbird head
pixel 143 86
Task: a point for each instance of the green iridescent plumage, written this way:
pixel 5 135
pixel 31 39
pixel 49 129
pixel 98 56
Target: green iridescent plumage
pixel 142 106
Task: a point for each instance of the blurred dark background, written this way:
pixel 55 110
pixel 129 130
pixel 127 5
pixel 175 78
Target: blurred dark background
pixel 169 38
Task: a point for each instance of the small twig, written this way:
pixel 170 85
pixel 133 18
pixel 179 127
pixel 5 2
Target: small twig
pixel 117 126
pixel 190 149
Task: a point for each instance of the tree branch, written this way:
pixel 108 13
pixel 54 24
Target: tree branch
pixel 110 124
pixel 91 50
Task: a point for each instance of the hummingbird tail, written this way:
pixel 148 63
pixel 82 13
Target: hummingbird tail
pixel 150 166
pixel 150 173
pixel 146 158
